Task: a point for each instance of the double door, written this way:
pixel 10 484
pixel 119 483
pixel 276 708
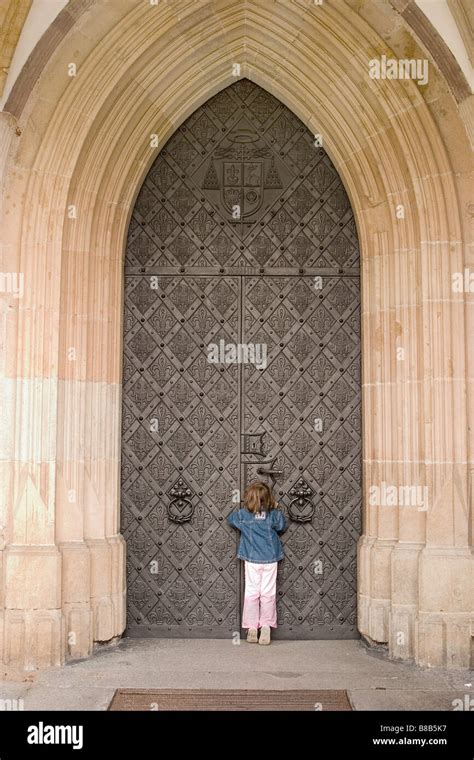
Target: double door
pixel 229 379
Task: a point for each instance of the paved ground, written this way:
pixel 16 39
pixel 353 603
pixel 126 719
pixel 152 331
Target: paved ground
pixel 372 681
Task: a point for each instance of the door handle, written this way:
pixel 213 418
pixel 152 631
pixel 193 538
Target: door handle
pixel 262 471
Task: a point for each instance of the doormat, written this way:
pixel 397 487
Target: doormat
pixel 228 699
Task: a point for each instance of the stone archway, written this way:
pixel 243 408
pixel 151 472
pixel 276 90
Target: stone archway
pixel 72 171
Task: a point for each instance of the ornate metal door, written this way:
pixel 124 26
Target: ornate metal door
pixel 242 235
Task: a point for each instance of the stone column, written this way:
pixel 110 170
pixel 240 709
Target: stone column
pixel 31 628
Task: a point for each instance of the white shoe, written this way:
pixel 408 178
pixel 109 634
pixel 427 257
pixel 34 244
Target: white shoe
pixel 264 635
pixel 252 636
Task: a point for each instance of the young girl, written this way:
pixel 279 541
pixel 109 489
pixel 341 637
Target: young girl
pixel 261 549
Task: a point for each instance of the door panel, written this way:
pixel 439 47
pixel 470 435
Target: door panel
pixel 306 403
pixel 181 452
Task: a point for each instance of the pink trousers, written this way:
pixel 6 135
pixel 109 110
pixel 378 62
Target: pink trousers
pixel 260 595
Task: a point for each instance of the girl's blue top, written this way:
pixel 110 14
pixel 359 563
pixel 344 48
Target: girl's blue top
pixel 259 539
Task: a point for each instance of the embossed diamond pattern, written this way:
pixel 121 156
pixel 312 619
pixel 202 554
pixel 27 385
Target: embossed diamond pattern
pixel 182 577
pixel 308 404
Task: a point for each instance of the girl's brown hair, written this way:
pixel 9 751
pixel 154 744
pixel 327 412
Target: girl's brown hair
pixel 258 497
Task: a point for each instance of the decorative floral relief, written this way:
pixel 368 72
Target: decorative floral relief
pixel 180 543
pixel 182 150
pixel 200 616
pixel 142 345
pixel 182 296
pixel 179 594
pixel 220 594
pixel 203 129
pixel 321 321
pixel 341 493
pixel 320 615
pixel 281 224
pixel 339 202
pixel 183 200
pixel 182 346
pixel 281 369
pixel 300 542
pixel 140 494
pixel 221 544
pixel 202 224
pixel 260 393
pixel 301 201
pixel 201 419
pixel 182 248
pixel 141 443
pixel 201 519
pixel 222 296
pixel 302 152
pixel 202 371
pixel 220 494
pixel 301 443
pixel 301 346
pixel 280 419
pixel 340 542
pixel 301 297
pixel 139 543
pixel 340 297
pixel 341 443
pixel 200 569
pixel 281 321
pixel 261 248
pixel 162 175
pixel 323 518
pixel 157 518
pixel 201 469
pixel 202 322
pixel 160 468
pixel 222 248
pixel 340 249
pixel 300 248
pixel 161 616
pixel 341 593
pixel 321 468
pixel 140 594
pixel 162 321
pixel 321 224
pixel 141 393
pixel 143 296
pixel 161 370
pixel 181 394
pixel 180 444
pixel 300 593
pixel 221 394
pixel 301 394
pixel 282 129
pixel 143 248
pixel 162 224
pixel 340 394
pixel 322 176
pixel 221 444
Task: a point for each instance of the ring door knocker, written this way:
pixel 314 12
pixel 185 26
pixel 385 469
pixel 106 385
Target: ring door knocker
pixel 180 509
pixel 301 508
